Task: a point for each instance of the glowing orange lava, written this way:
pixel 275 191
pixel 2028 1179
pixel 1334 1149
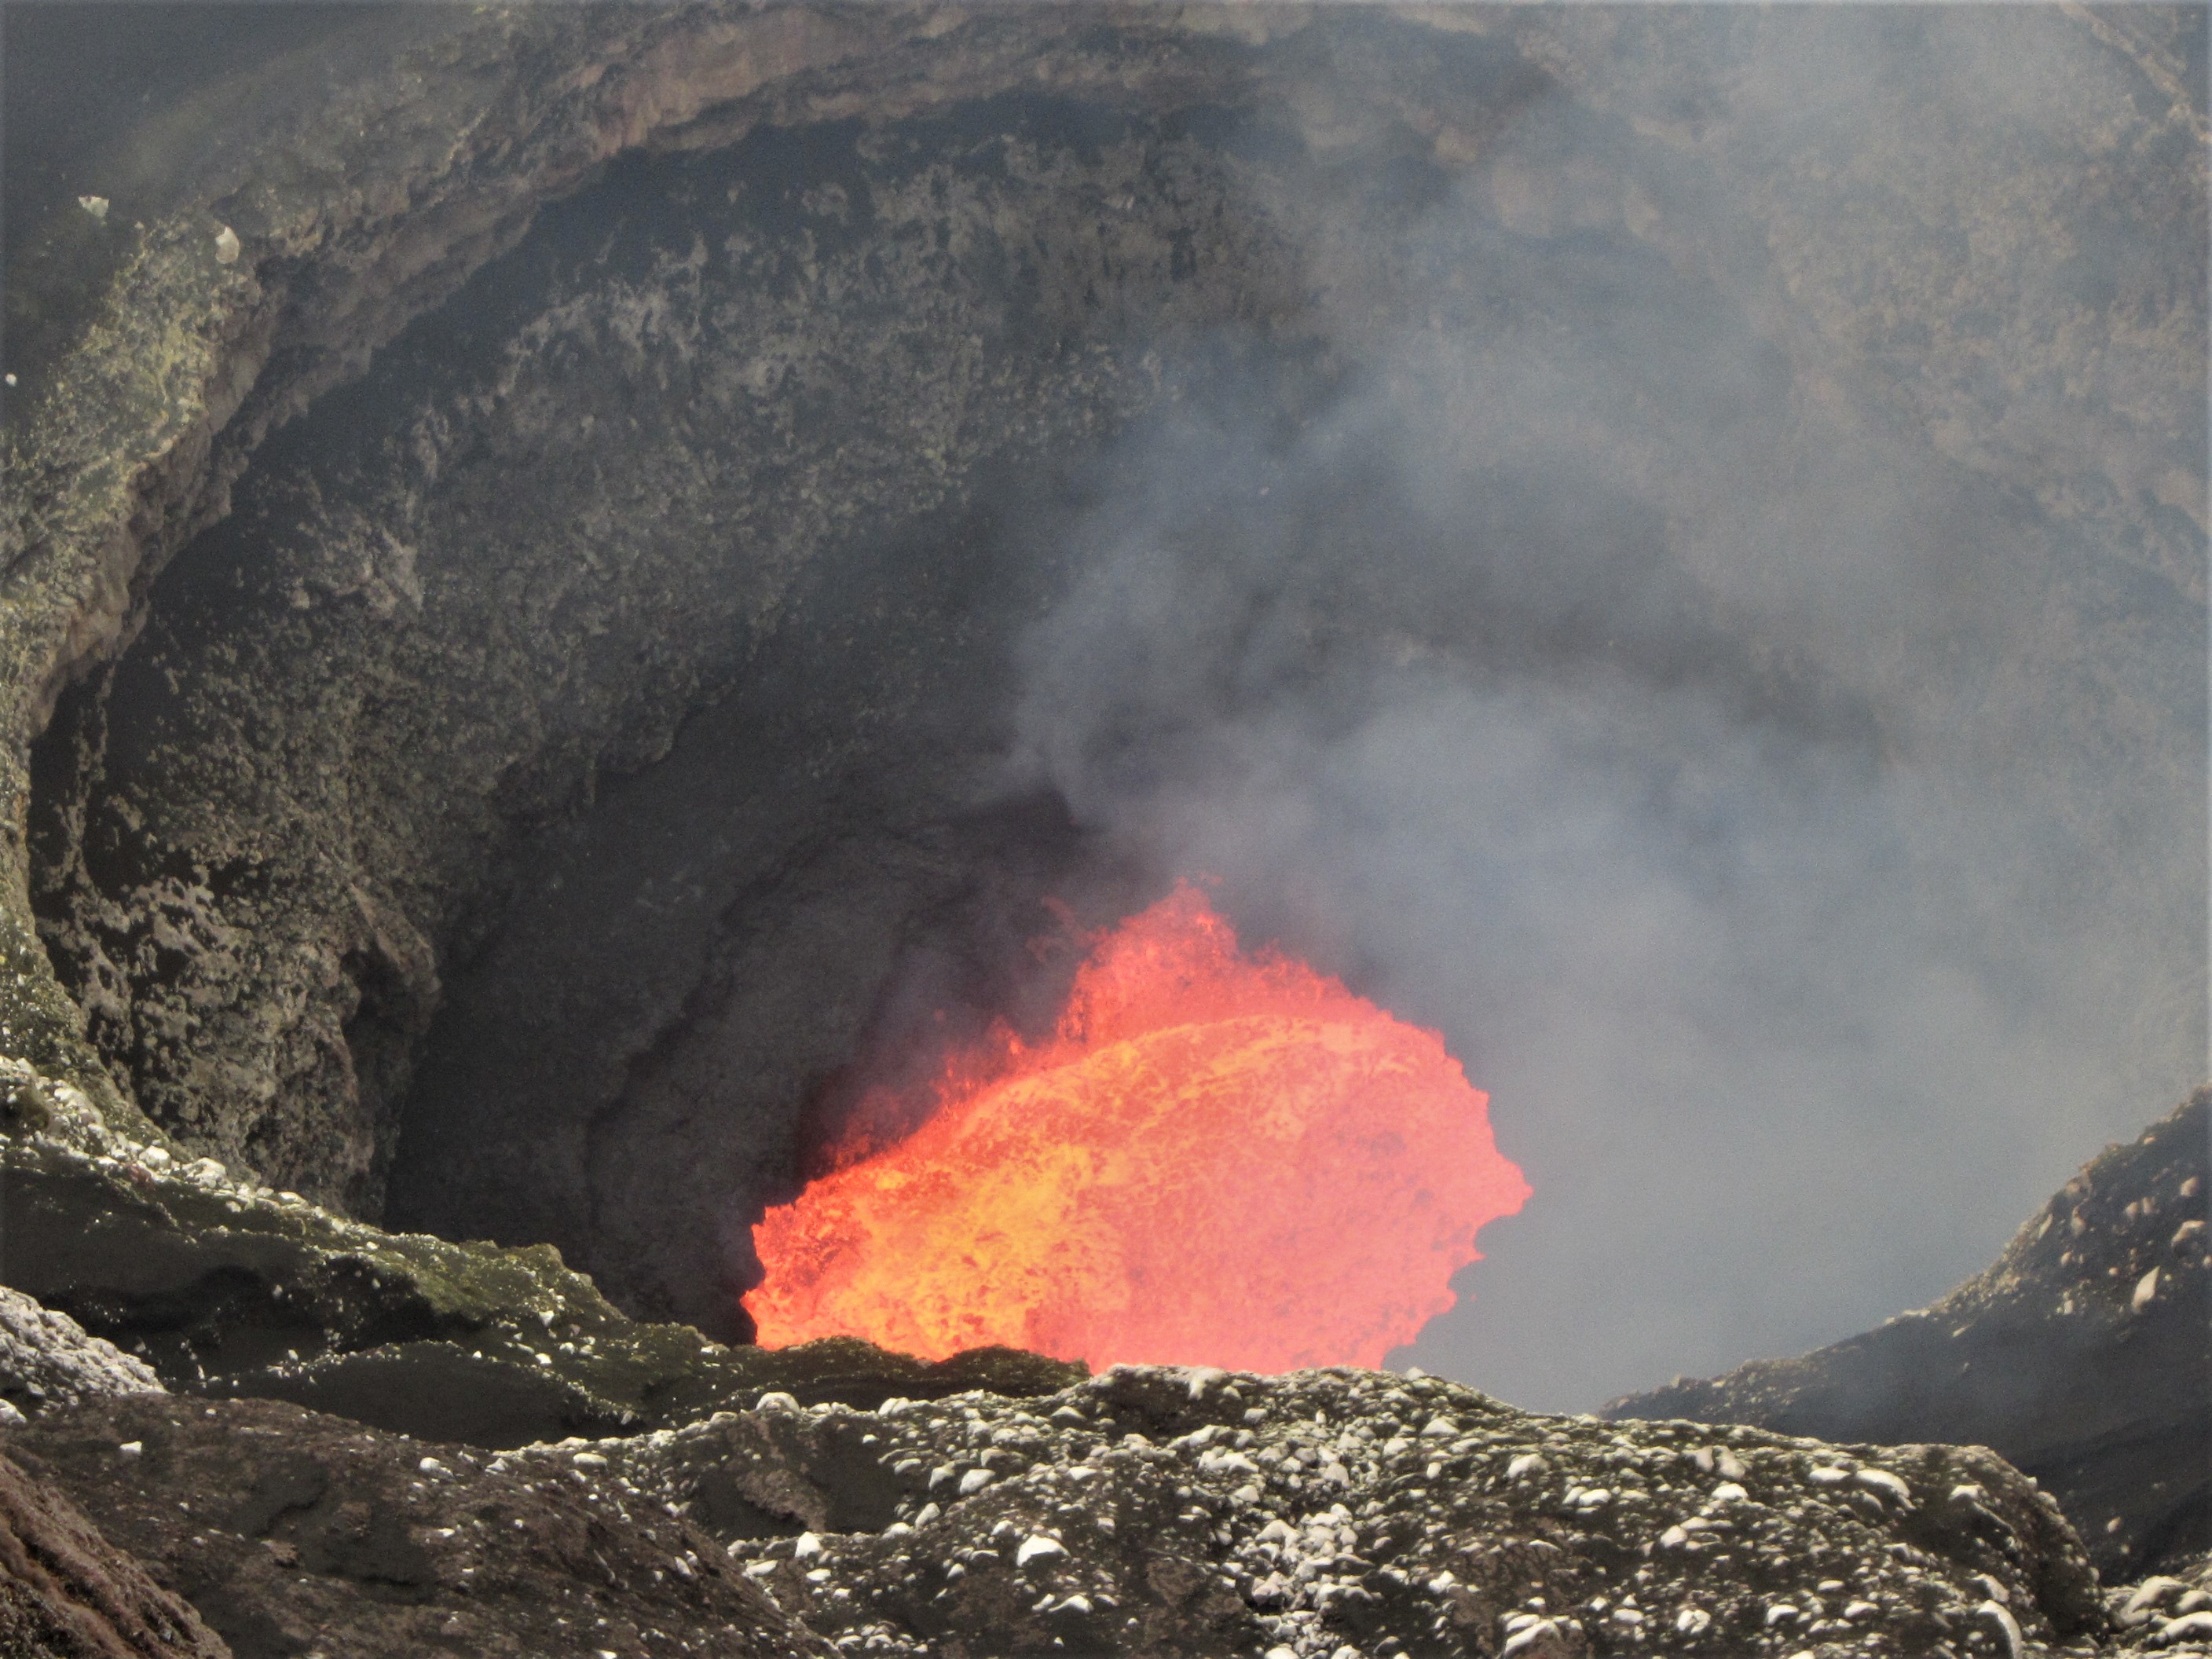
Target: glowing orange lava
pixel 1217 1158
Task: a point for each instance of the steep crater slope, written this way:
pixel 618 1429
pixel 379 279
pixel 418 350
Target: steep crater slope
pixel 2083 1354
pixel 518 589
pixel 721 433
pixel 766 440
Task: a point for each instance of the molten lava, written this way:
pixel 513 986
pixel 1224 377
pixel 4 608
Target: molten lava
pixel 1216 1158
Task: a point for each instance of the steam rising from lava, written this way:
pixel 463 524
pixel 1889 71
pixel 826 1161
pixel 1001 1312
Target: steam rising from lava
pixel 1216 1158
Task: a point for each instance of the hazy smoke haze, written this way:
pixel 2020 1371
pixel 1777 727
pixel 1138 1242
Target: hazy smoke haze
pixel 1597 675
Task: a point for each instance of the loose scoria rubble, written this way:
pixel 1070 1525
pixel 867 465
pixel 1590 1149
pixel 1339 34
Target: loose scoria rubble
pixel 2167 1614
pixel 47 1358
pixel 1155 1511
pixel 1345 1514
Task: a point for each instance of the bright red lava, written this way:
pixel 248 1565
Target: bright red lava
pixel 1217 1158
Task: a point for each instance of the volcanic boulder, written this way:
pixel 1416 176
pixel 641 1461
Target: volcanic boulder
pixel 2168 1613
pixel 47 1358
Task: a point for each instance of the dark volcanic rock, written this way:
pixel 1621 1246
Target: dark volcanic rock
pixel 1189 1511
pixel 1173 1511
pixel 67 1593
pixel 2084 1355
pixel 437 1390
pixel 1160 1511
pixel 299 1534
pixel 222 1286
pixel 652 392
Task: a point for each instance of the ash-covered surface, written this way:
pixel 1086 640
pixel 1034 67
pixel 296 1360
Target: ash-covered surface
pixel 2084 1354
pixel 66 1592
pixel 295 1533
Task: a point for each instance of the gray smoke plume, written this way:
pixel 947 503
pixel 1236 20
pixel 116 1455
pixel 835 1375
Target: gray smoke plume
pixel 1789 812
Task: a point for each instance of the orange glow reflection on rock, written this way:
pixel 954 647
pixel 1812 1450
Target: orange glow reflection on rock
pixel 1216 1158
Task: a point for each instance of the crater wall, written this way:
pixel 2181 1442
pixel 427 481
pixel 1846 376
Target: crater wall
pixel 522 676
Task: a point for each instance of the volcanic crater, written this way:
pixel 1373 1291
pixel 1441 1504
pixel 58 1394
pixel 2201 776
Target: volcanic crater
pixel 587 596
pixel 661 676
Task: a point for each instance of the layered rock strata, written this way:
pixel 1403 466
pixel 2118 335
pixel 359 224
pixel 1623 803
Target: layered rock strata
pixel 213 1283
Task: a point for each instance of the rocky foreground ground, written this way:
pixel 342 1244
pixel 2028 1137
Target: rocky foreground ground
pixel 1147 1510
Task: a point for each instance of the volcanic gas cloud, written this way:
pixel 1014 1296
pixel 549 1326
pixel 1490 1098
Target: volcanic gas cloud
pixel 1217 1158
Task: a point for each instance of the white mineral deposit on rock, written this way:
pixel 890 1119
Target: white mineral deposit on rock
pixel 2015 1642
pixel 1885 1485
